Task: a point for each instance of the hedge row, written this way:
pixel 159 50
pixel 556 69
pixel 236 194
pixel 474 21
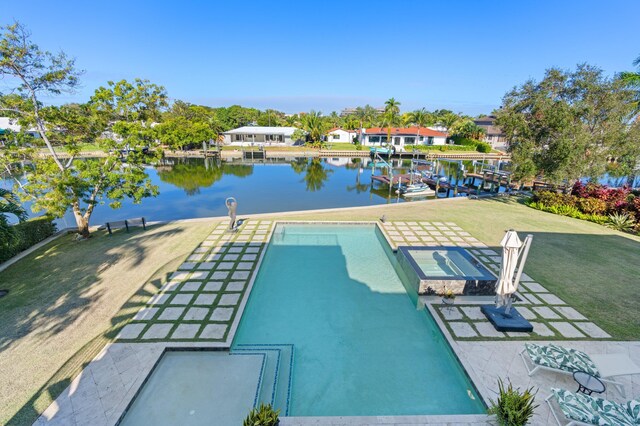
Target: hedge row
pixel 472 143
pixel 28 233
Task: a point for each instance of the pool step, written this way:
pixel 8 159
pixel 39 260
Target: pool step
pixel 277 373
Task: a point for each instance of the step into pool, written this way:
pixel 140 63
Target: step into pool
pixel 351 340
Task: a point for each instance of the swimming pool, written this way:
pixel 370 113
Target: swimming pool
pixel 331 299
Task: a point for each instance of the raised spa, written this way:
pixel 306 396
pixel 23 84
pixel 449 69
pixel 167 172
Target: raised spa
pixel 436 270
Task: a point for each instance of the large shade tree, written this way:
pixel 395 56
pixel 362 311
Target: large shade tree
pixel 118 118
pixel 568 125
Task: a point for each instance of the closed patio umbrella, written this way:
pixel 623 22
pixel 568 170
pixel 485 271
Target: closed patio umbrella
pixel 506 286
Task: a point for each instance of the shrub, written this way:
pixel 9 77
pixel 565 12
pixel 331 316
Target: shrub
pixel 551 198
pixel 264 415
pixel 512 407
pixel 621 222
pixel 592 205
pixel 27 234
pixel 465 141
pixel 483 147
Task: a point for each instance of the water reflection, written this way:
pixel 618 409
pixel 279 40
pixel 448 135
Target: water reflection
pixel 192 174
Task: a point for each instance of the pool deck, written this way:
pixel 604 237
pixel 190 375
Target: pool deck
pixel 201 304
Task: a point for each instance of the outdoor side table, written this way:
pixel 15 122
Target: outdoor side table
pixel 587 384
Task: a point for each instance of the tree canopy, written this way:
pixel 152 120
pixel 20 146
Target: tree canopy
pixel 569 124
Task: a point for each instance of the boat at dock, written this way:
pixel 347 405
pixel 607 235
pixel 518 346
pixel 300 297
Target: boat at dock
pixel 415 190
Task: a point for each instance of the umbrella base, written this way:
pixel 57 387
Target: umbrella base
pixel 503 322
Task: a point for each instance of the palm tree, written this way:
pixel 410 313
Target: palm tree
pixel 315 125
pixel 9 204
pixel 420 118
pixel 392 105
pixel 632 80
pixel 391 116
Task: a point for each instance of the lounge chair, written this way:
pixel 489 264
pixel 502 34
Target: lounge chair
pixel 581 409
pixel 557 358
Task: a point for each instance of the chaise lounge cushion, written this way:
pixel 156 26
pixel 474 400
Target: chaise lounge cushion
pixel 633 408
pixel 554 356
pixel 595 411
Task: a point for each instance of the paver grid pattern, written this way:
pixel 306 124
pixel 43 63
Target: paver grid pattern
pixel 200 300
pixel 551 317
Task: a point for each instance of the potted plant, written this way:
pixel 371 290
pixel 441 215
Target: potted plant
pixel 448 296
pixel 513 408
pixel 264 415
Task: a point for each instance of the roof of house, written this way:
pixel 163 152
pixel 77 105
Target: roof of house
pixel 262 130
pixel 409 131
pixel 494 130
pixel 344 130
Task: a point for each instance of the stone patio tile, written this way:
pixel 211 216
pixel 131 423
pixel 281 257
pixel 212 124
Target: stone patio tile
pixel 179 276
pixel 213 331
pixel 170 314
pixel 181 299
pixel 196 314
pixel 592 330
pixel 145 314
pixel 526 313
pixel 570 313
pixel 240 275
pixel 200 250
pixel 131 331
pixel 462 329
pixel 229 299
pixel 185 331
pixel 473 312
pixel 541 329
pixel 252 250
pixel 206 299
pixel 206 265
pixel 213 286
pixel 566 329
pixel 230 257
pixel 187 265
pixel 496 259
pixel 207 243
pixel 170 286
pixel 535 287
pixel 200 275
pixel 413 239
pixel 245 265
pixel 157 331
pixel 443 239
pixel 486 329
pixel 249 257
pixel 195 257
pixel 220 275
pixel 533 299
pixel 158 299
pixel 225 265
pixel 235 250
pixel 546 312
pixel 235 286
pixel 191 286
pixel 221 314
pixel 551 299
pixel 451 313
pixel 526 277
pixel 212 257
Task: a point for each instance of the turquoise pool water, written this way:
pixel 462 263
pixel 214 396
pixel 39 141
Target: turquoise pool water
pixel 361 347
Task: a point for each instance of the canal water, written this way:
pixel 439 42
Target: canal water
pixel 195 187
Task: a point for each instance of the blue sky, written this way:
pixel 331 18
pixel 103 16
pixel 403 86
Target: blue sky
pixel 297 56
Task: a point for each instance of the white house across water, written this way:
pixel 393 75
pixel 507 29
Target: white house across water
pixel 251 135
pixel 341 135
pixel 403 137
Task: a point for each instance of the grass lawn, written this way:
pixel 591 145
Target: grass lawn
pixel 67 300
